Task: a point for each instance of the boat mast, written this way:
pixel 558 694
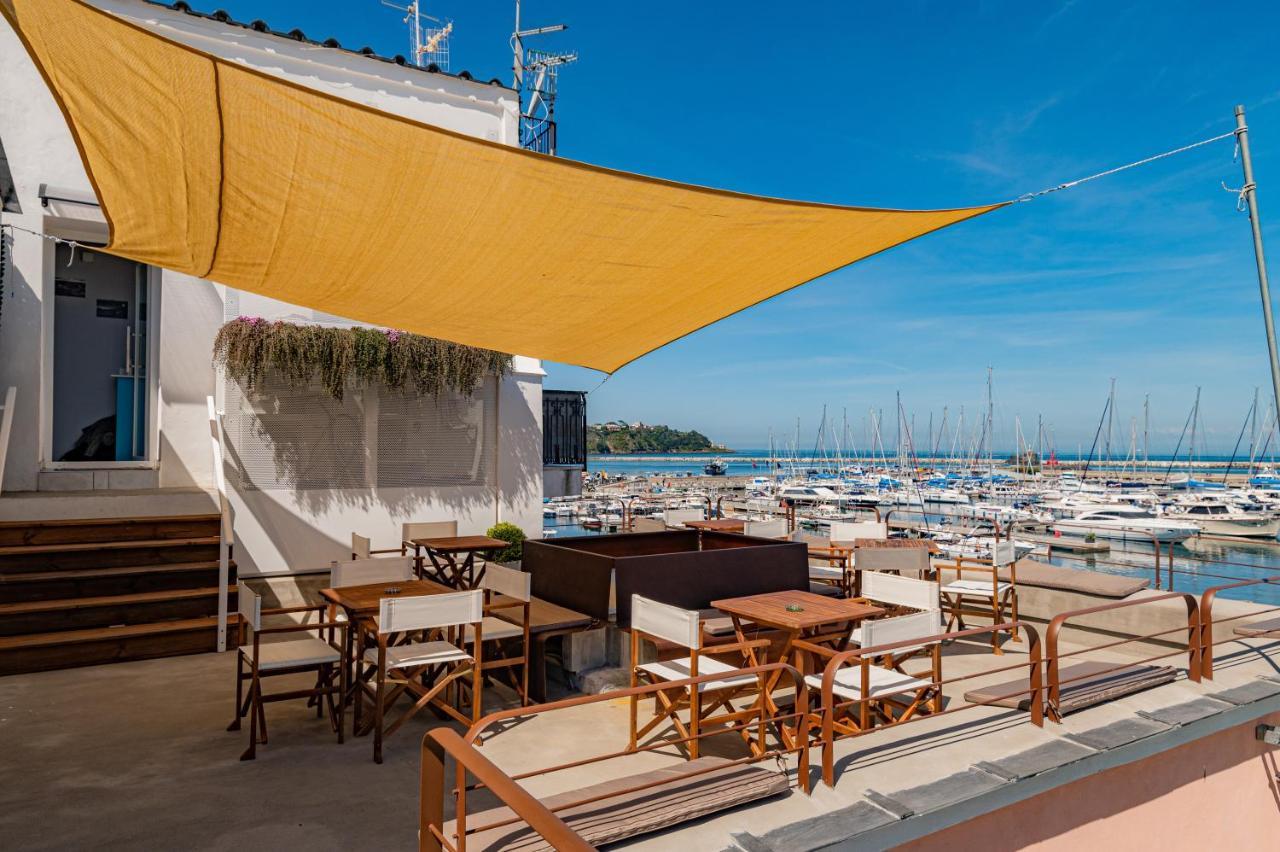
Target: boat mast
pixel 1253 430
pixel 991 462
pixel 1111 416
pixel 1191 447
pixel 1146 427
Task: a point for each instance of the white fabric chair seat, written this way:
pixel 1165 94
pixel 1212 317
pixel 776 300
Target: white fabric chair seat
pixel 855 636
pixel 973 587
pixel 679 670
pixel 495 628
pixel 881 681
pixel 308 651
pixel 418 654
pixel 825 572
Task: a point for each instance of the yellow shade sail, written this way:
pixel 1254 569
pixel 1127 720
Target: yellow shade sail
pixel 210 168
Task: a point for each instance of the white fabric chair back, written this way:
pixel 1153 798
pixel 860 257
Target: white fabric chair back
pixel 423 612
pixel 682 626
pixel 1004 553
pixel 848 531
pixel 361 572
pixel 900 591
pixel 911 561
pixel 678 517
pixel 508 581
pixel 773 528
pixel 249 605
pixel 428 529
pixel 360 546
pixel 886 631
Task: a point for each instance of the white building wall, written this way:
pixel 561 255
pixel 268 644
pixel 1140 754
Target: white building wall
pixel 276 530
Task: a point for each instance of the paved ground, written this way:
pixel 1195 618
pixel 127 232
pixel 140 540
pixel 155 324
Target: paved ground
pixel 135 756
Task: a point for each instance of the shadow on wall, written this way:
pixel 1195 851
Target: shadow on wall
pixel 316 498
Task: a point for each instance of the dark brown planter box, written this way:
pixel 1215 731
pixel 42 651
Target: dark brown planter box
pixel 683 568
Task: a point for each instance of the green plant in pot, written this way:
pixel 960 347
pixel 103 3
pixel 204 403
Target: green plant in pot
pixel 513 535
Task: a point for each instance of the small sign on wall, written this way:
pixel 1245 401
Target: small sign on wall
pixel 67 287
pixel 113 309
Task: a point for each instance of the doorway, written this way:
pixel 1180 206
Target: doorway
pixel 100 358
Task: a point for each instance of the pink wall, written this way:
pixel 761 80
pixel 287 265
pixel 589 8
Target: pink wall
pixel 1220 792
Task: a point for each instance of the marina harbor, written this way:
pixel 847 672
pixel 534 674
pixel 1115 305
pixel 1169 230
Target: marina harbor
pixel 554 427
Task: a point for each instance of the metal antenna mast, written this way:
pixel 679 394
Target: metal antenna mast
pixel 428 45
pixel 535 76
pixel 1249 194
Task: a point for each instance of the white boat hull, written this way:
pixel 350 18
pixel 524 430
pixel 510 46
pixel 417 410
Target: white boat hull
pixel 1124 532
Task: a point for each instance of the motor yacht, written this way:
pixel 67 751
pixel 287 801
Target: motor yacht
pixel 1216 517
pixel 1125 523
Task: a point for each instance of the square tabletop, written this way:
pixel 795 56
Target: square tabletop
pixel 770 609
pixel 719 525
pixel 366 599
pixel 461 543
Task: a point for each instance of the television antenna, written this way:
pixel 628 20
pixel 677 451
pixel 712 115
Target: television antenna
pixel 536 76
pixel 429 44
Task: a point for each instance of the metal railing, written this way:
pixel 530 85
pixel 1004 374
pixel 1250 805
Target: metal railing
pixel 829 706
pixel 537 816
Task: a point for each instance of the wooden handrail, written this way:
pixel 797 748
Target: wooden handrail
pixel 432 789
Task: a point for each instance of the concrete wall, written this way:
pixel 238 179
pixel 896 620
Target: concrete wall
pixel 1218 792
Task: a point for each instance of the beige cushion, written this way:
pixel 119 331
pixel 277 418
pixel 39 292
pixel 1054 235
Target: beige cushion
pixel 1259 628
pixel 881 681
pixel 1032 572
pixel 418 654
pixel 678 798
pixel 1084 684
pixel 679 670
pixel 307 651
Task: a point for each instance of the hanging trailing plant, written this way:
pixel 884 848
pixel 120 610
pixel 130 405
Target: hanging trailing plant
pixel 251 348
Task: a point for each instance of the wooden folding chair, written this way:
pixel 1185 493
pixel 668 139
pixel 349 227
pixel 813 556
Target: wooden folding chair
pixel 507 593
pixel 895 694
pixel 981 593
pixel 653 620
pixel 363 572
pixel 362 548
pixel 290 656
pixel 430 661
pixel 423 529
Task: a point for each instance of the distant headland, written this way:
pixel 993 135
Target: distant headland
pixel 619 437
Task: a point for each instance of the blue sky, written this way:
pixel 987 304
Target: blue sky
pixel 1147 276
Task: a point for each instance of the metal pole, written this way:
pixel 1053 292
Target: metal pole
pixel 1250 193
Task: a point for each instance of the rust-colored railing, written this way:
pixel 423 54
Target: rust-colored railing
pixel 1053 658
pixel 1207 621
pixel 431 838
pixel 505 787
pixel 829 706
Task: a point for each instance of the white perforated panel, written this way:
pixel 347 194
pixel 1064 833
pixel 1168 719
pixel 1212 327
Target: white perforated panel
pixel 303 439
pixel 427 441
